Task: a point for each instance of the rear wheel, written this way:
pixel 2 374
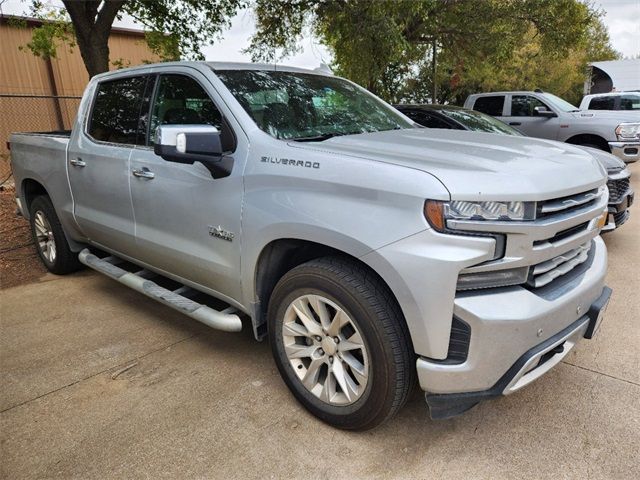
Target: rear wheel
pixel 49 238
pixel 341 343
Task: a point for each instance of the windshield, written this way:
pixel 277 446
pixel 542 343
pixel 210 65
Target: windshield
pixel 559 103
pixel 308 107
pixel 479 122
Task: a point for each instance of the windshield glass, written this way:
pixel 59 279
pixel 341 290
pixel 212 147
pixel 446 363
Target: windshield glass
pixel 479 122
pixel 559 103
pixel 304 106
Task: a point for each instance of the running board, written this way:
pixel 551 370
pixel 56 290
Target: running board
pixel 221 320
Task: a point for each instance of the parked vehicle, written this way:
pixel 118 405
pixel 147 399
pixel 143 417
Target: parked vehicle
pixel 368 250
pixel 541 114
pixel 621 194
pixel 611 101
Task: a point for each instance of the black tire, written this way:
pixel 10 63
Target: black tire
pixel 65 260
pixel 375 313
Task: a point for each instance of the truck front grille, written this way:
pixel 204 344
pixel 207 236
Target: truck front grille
pixel 547 271
pixel 617 189
pixel 566 204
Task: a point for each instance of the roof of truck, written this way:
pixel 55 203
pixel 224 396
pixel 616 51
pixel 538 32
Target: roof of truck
pixel 272 67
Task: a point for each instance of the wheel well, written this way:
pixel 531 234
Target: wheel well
pixel 30 190
pixel 589 139
pixel 280 256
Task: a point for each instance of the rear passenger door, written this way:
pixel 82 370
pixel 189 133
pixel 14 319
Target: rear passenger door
pixel 522 116
pixel 98 159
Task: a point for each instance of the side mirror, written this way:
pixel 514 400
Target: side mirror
pixel 543 112
pixel 193 143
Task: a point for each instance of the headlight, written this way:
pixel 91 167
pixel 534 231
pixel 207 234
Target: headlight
pixel 437 213
pixel 628 131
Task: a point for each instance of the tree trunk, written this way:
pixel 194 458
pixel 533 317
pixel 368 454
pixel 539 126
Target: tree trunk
pixel 92 28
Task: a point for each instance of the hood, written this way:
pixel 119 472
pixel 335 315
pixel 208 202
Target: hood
pixel 610 162
pixel 477 165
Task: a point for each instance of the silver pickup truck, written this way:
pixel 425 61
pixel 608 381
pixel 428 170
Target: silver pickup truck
pixel 368 250
pixel 544 115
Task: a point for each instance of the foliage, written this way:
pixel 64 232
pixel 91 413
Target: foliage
pixel 386 45
pixel 175 28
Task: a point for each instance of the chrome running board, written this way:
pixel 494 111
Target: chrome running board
pixel 225 320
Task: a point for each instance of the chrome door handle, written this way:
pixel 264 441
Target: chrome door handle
pixel 78 162
pixel 515 123
pixel 143 172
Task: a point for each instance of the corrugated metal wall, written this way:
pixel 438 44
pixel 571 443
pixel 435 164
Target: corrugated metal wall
pixel 22 73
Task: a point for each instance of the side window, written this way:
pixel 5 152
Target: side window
pixel 524 105
pixel 490 105
pixel 180 100
pixel 115 116
pixel 630 102
pixel 602 103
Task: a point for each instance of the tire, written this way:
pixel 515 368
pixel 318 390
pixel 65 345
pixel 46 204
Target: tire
pixel 49 239
pixel 373 356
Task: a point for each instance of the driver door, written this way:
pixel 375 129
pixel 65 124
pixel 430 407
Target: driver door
pixel 522 117
pixel 179 207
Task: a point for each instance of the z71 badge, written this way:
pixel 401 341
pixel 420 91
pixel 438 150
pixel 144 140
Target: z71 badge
pixel 221 233
pixel 291 162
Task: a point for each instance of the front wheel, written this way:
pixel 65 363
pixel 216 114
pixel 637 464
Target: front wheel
pixel 341 343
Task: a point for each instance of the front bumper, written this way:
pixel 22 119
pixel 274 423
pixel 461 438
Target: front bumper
pixel 626 151
pixel 509 323
pixel 618 211
pixel 531 365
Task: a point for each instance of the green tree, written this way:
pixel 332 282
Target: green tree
pixel 386 45
pixel 177 28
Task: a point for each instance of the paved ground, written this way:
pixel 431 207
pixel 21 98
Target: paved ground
pixel 201 403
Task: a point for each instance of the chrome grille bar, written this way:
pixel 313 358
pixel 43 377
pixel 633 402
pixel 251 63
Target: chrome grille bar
pixel 557 205
pixel 545 272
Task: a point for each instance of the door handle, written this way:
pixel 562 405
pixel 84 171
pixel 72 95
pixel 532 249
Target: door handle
pixel 515 123
pixel 78 162
pixel 143 172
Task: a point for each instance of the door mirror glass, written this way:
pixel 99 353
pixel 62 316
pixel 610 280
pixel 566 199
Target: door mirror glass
pixel 188 143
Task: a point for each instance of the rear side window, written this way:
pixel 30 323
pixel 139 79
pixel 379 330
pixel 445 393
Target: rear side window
pixel 602 103
pixel 115 116
pixel 490 105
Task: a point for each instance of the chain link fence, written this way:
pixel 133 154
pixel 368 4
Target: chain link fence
pixel 32 113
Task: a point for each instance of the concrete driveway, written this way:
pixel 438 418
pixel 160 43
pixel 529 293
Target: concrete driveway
pixel 202 403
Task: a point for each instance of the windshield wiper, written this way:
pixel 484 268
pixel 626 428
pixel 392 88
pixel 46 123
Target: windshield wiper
pixel 318 138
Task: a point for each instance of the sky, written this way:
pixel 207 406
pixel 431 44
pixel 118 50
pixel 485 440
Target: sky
pixel 621 18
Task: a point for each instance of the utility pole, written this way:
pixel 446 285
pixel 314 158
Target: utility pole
pixel 434 72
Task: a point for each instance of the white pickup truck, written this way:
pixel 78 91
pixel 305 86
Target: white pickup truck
pixel 544 115
pixel 370 251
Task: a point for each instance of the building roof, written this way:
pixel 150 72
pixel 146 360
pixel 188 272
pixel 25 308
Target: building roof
pixel 624 74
